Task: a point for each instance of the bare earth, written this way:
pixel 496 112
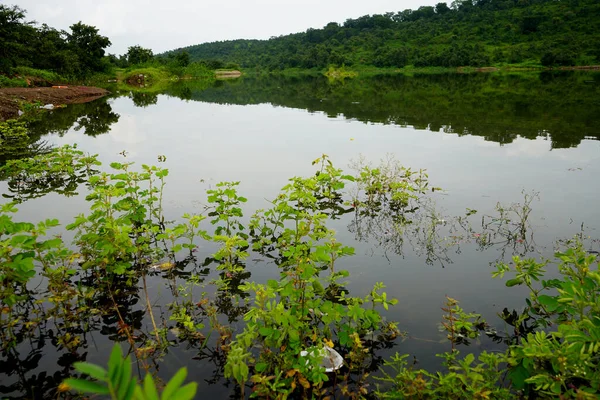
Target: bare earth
pixel 10 98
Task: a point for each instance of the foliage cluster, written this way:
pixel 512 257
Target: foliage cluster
pixel 49 56
pixel 120 385
pixel 552 352
pixel 552 348
pixel 78 52
pixel 126 238
pixel 468 33
pixel 14 139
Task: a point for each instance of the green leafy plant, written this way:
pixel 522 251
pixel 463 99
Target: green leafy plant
pixel 302 311
pixel 118 383
pixel 565 361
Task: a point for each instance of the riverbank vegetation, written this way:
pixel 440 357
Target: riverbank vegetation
pixel 34 55
pixel 477 33
pixel 125 242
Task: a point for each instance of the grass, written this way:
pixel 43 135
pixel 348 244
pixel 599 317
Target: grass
pixel 340 73
pixel 12 82
pixel 151 74
pixel 46 75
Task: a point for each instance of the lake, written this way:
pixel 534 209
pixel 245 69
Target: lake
pixel 487 140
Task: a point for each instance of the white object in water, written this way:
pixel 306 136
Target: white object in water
pixel 331 359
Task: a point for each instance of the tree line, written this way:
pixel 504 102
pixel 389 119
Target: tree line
pixel 76 52
pixel 467 33
pixel 79 52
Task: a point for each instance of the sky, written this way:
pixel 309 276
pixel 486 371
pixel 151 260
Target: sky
pixel 165 25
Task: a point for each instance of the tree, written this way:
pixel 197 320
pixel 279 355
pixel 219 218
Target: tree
pixel 15 33
pixel 88 45
pixel 52 52
pixel 138 55
pixel 442 8
pixel 182 59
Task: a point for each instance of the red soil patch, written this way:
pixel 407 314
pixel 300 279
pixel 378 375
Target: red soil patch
pixel 11 98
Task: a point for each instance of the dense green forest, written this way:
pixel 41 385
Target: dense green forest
pixel 466 33
pixel 23 44
pixel 40 51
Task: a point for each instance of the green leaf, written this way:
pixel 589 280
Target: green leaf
pixel 150 388
pixel 260 367
pixel 344 338
pixel 86 386
pixel 125 380
pixel 174 384
pixel 513 282
pixel 551 303
pixel 187 392
pixel 114 364
pixel 138 393
pixel 265 331
pixel 92 370
pixel 469 358
pixel 518 375
pixel 130 390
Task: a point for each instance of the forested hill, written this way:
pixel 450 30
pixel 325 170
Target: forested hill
pixel 467 33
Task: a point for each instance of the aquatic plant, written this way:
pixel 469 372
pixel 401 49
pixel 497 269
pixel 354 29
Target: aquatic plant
pixel 118 383
pixel 291 324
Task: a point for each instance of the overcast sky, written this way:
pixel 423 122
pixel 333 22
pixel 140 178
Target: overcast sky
pixel 167 24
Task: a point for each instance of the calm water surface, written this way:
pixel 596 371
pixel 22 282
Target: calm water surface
pixel 483 138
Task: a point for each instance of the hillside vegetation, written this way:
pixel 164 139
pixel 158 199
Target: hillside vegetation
pixel 467 33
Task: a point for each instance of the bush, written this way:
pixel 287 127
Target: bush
pixel 558 58
pixel 39 73
pixel 12 82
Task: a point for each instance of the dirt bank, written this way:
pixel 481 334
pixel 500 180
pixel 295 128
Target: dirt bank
pixel 11 98
pixel 227 74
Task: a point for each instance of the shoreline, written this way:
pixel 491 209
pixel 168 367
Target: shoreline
pixel 12 99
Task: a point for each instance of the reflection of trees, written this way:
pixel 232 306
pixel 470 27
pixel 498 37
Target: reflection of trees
pixel 23 149
pixel 558 105
pixel 98 119
pixel 61 171
pixel 94 117
pixel 142 99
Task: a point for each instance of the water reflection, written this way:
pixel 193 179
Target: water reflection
pixel 143 99
pixel 93 118
pixel 558 105
pixel 480 103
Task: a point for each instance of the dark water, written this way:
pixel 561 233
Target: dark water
pixel 484 138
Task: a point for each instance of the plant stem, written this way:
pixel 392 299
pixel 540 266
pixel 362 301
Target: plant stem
pixel 149 307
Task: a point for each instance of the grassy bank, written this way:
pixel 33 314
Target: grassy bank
pixel 138 75
pixel 369 70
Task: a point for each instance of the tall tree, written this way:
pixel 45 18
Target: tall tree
pixel 138 55
pixel 15 34
pixel 88 45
